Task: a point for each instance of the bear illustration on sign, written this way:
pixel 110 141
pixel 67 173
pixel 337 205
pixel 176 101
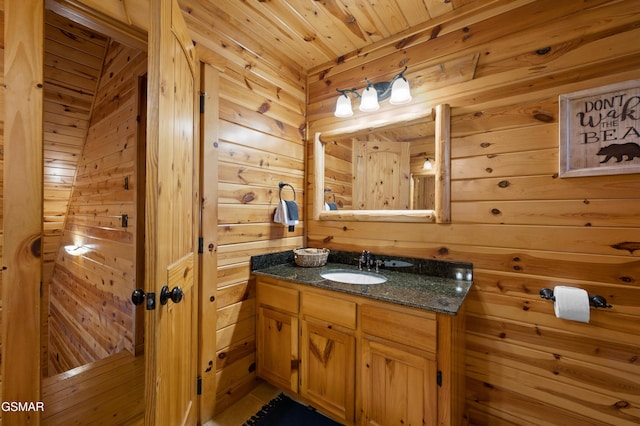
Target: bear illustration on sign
pixel 630 150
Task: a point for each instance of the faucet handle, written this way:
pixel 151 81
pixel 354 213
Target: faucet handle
pixel 364 259
pixel 359 261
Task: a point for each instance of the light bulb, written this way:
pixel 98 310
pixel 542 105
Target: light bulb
pixel 343 106
pixel 369 101
pixel 400 93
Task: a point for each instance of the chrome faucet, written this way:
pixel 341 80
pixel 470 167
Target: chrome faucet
pixel 363 261
pixel 368 260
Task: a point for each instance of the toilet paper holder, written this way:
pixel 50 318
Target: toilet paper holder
pixel 595 300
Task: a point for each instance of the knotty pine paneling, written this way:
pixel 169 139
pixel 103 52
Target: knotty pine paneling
pixel 338 176
pixel 72 67
pixel 260 143
pixel 521 226
pixel 91 316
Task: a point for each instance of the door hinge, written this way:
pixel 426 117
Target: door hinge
pixel 439 378
pixel 199 385
pixel 295 364
pixel 202 96
pixel 200 245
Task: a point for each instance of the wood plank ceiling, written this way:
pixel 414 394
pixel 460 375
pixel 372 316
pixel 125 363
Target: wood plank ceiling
pixel 313 33
pixel 300 34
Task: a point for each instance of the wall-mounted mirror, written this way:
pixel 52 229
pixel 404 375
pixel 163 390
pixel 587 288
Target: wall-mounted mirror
pixel 397 171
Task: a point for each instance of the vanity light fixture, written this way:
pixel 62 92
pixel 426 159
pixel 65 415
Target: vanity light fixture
pixel 397 90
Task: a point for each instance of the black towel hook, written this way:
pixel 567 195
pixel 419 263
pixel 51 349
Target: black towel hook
pixel 329 190
pixel 282 185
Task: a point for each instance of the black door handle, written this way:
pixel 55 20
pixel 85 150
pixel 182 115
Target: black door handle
pixel 175 295
pixel 138 296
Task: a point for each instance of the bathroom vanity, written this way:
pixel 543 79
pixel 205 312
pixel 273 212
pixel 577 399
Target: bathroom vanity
pixel 386 353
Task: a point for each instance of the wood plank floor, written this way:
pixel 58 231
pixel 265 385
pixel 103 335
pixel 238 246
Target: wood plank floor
pixel 110 392
pixel 107 392
pixel 246 407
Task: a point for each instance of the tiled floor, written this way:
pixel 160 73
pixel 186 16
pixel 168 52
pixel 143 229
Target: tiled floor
pixel 242 410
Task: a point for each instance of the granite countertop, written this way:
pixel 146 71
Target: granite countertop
pixel 443 294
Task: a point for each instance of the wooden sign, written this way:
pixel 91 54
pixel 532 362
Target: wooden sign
pixel 600 130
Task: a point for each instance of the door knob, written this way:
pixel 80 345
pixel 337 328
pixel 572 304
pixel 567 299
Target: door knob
pixel 175 295
pixel 137 297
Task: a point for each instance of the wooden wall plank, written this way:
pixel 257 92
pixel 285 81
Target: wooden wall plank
pixel 246 233
pixel 585 212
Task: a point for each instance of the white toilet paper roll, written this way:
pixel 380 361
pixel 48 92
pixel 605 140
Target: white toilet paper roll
pixel 571 303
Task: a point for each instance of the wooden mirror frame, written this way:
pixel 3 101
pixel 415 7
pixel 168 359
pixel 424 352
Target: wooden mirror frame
pixel 441 166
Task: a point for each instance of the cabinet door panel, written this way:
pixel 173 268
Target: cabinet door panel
pixel 398 387
pixel 328 369
pixel 277 348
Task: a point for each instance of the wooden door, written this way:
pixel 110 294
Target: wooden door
pixel 380 178
pixel 172 204
pixel 21 279
pixel 328 368
pixel 398 386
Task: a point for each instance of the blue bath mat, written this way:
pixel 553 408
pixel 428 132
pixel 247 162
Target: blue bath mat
pixel 283 411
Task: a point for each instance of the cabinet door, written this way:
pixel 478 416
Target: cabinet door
pixel 328 369
pixel 398 386
pixel 277 348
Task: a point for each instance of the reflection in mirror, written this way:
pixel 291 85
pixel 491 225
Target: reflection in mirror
pixel 372 169
pixel 423 195
pixel 395 172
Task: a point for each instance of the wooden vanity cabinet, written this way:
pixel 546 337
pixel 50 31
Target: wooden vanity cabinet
pixel 320 366
pixel 399 370
pixel 359 360
pixel 277 333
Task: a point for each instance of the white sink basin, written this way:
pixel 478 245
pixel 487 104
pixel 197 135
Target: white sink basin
pixel 353 277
